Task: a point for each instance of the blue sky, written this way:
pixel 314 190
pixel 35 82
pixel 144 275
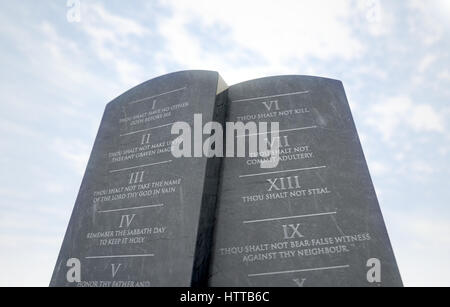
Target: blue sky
pixel 57 76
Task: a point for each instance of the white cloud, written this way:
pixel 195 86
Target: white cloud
pixel 53 187
pixel 110 37
pixel 444 75
pixel 378 168
pixel 421 170
pixel 439 8
pixel 426 62
pixel 11 127
pixel 426 118
pixel 371 70
pixel 422 246
pixel 395 114
pixel 278 33
pixel 430 21
pixel 33 257
pixel 75 152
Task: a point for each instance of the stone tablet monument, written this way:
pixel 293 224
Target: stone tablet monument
pixel 143 218
pixel 312 221
pixel 146 218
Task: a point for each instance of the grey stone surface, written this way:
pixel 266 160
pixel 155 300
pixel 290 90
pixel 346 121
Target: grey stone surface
pixel 315 219
pixel 138 218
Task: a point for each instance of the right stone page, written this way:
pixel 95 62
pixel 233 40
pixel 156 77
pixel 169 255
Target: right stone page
pixel 314 220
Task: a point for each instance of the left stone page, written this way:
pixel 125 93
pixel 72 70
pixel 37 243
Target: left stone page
pixel 138 219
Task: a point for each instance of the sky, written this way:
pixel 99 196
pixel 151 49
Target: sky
pixel 57 74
